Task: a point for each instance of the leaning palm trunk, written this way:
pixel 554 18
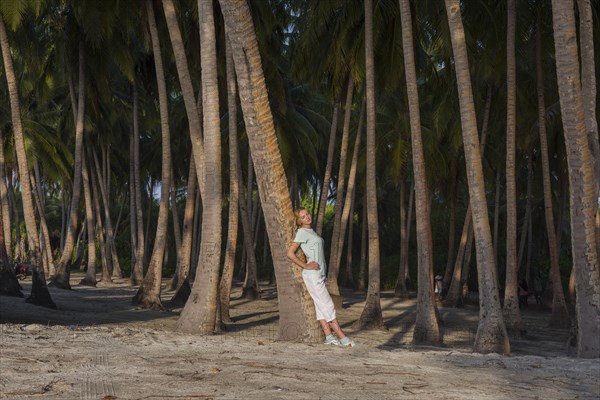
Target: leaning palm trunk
pixel 346 221
pixel 371 317
pixel 491 332
pixel 583 190
pixel 39 291
pixel 61 279
pixel 148 295
pixel 9 285
pixel 335 253
pixel 512 316
pixel 234 190
pixel 296 310
pixel 320 218
pixel 200 311
pixel 427 329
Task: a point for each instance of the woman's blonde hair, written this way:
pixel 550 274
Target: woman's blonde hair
pixel 297 216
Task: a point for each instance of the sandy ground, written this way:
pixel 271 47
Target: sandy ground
pixel 97 346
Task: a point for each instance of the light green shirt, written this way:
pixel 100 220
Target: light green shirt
pixel 312 246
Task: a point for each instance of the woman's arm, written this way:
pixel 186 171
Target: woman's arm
pixel 291 254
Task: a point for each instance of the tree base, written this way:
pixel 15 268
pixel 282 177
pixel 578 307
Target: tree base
pixel 9 284
pixel 88 281
pixel 250 293
pixel 147 301
pixel 491 338
pixel 40 296
pixel 181 296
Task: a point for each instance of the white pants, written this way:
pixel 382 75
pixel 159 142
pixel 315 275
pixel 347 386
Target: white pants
pixel 315 284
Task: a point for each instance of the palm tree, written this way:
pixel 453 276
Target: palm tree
pixel 583 193
pixel 61 279
pixel 148 294
pixel 296 310
pixel 90 276
pixel 560 315
pixel 491 332
pixel 234 189
pixel 39 291
pixel 512 316
pixel 371 317
pixel 200 311
pixel 426 325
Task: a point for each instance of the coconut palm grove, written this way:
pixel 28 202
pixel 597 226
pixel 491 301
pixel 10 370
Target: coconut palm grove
pixel 447 152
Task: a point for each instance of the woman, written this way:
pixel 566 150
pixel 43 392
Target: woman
pixel 315 277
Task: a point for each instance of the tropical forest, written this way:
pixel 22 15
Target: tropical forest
pixel 299 199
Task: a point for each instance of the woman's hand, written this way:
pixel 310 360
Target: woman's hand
pixel 313 266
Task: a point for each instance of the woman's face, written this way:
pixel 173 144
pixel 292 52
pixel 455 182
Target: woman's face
pixel 305 218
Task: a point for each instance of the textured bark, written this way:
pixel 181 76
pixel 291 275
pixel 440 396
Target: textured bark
pixel 200 311
pixel 363 249
pixel 297 316
pixel 371 316
pixel 491 332
pixel 426 329
pixel 583 190
pixel 148 294
pixel 39 291
pixel 320 220
pixel 234 189
pixel 137 273
pixel 510 310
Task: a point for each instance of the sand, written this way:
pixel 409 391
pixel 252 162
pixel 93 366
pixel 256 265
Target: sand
pixel 96 345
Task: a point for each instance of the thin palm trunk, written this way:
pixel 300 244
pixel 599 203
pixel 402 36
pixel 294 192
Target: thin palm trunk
pixel 90 276
pixel 350 192
pixel 9 285
pixel 371 317
pixel 363 249
pixel 200 311
pixel 39 291
pixel 491 332
pixel 61 279
pixel 4 202
pixel 105 279
pixel 148 294
pixel 137 273
pixel 111 248
pixel 512 316
pixel 234 189
pixel 400 290
pixel 498 187
pixel 560 314
pixel 38 195
pixel 526 217
pixel 132 204
pixel 451 230
pixel 335 253
pixel 320 221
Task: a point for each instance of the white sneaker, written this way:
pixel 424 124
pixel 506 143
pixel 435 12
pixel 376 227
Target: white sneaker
pixel 332 340
pixel 346 342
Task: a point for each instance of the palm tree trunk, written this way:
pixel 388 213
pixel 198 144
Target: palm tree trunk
pixel 498 187
pixel 400 290
pixel 349 200
pixel 200 311
pixel 90 276
pixel 234 189
pixel 363 249
pixel 39 291
pixel 426 329
pixel 38 196
pixel 9 284
pixel 4 202
pixel 491 332
pixel 99 230
pixel 336 250
pixel 148 294
pixel 451 230
pixel 137 273
pixel 454 292
pixel 512 316
pixel 132 204
pixel 406 241
pixel 371 317
pixel 61 279
pixel 297 314
pixel 320 220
